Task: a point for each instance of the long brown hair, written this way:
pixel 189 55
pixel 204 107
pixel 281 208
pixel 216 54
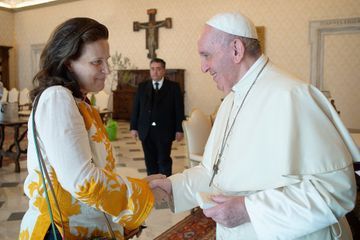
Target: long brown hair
pixel 64 44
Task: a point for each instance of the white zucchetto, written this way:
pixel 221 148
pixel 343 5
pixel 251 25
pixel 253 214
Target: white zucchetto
pixel 234 23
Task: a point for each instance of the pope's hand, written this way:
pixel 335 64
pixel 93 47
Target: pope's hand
pixel 163 183
pixel 153 177
pixel 160 195
pixel 230 211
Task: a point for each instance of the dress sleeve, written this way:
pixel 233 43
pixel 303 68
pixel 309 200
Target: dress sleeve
pixel 65 145
pixel 316 202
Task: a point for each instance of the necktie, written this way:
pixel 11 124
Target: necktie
pixel 156 86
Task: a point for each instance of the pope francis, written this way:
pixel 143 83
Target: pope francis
pixel 278 161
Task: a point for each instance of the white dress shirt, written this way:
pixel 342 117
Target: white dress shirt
pixel 160 83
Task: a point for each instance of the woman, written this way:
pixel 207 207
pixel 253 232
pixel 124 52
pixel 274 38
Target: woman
pixel 74 145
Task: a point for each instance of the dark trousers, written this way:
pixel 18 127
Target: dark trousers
pixel 157 154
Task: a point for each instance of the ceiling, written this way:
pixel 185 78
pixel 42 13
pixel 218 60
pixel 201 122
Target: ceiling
pixel 16 4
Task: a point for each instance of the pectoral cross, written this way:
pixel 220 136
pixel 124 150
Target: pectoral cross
pixel 152 31
pixel 215 169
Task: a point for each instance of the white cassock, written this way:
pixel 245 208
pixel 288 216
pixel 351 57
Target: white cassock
pixel 288 153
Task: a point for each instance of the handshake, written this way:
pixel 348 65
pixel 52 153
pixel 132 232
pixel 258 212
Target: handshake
pixel 161 188
pixel 229 211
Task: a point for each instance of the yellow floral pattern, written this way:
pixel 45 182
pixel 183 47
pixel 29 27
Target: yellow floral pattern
pixel 127 200
pixel 92 118
pixel 24 235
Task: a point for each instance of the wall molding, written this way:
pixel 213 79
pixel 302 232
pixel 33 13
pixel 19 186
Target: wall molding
pixel 318 31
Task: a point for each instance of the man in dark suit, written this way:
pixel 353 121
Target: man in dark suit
pixel 156 118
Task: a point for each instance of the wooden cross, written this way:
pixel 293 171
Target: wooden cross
pixel 152 31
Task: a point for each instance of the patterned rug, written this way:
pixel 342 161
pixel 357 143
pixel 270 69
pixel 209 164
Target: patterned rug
pixel 196 226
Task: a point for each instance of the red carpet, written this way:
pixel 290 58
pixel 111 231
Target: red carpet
pixel 194 227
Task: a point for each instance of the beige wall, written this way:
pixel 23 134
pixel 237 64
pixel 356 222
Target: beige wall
pixel 286 31
pixel 341 57
pixel 7 39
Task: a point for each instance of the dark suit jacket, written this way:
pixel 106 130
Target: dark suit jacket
pixel 169 112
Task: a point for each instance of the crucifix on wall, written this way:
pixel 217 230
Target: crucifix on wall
pixel 152 31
